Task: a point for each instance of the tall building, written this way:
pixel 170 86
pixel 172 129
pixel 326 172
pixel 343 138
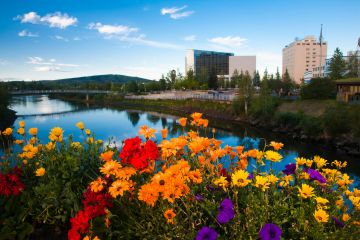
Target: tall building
pixel 203 62
pixel 303 55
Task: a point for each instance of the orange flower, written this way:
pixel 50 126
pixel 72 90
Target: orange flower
pixel 196 116
pixel 253 153
pixel 97 185
pixel 107 156
pixel 195 176
pixel 147 132
pixel 125 173
pixel 110 168
pixel 239 149
pixel 149 194
pixel 242 163
pixel 276 145
pixel 203 122
pixel 118 188
pixel 182 121
pixel 164 133
pixel 170 215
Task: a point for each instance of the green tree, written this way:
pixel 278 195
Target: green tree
pixel 132 87
pixel 234 79
pixel 213 79
pixel 277 75
pixel 162 82
pixel 246 90
pixel 288 83
pixel 337 65
pixel 171 78
pixel 353 65
pixel 256 79
pixel 190 80
pixel 319 88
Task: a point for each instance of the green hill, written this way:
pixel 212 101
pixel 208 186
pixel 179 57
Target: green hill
pixel 114 78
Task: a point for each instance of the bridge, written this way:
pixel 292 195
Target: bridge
pixel 35 92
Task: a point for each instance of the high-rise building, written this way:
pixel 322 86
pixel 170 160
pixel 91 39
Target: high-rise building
pixel 303 55
pixel 203 62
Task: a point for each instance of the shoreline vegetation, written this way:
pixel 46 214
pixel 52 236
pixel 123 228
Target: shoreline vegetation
pixel 327 121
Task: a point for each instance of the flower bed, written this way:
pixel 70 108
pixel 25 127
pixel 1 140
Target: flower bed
pixel 188 187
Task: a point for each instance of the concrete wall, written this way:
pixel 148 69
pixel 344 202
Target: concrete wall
pixel 244 63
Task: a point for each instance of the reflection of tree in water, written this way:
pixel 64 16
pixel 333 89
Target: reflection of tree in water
pixel 163 122
pixel 152 118
pixel 133 117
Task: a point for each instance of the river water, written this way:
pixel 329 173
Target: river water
pixel 115 125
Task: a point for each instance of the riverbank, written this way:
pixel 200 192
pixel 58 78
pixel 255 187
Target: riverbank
pixel 320 121
pixel 7 118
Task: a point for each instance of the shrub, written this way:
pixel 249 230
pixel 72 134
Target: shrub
pixel 264 106
pixel 337 120
pixel 319 88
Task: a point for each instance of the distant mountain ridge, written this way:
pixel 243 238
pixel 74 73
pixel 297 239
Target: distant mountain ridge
pixel 114 78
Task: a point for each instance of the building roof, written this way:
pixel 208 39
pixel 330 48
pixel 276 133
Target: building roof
pixel 348 81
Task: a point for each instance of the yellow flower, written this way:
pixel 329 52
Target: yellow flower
pixel 339 203
pixel 50 146
pixel 276 145
pixel 170 215
pixel 306 191
pixel 76 145
pixel 240 178
pixel 87 131
pixel 339 164
pixel 33 131
pixel 285 181
pixel 272 179
pixel 321 202
pixel 355 201
pixel 261 182
pixel 40 172
pixel 300 161
pixel 182 121
pixel 80 125
pixel 345 217
pixel 25 162
pixel 19 142
pixel 90 140
pixel 21 124
pixel 309 163
pixel 110 168
pixel 20 131
pixel 320 162
pixel 221 182
pixel 56 134
pixel 273 156
pixel 321 216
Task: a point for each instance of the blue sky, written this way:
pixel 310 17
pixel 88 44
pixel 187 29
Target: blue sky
pixel 43 39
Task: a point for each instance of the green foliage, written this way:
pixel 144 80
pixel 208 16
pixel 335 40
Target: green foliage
pixel 337 65
pixel 263 106
pixel 353 65
pixel 340 119
pixel 311 126
pixel 319 88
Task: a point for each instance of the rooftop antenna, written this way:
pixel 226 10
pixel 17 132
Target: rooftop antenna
pixel 320 40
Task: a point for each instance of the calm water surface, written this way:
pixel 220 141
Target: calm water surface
pixel 109 123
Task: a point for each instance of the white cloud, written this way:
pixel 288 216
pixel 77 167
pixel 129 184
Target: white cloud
pixel 76 39
pixel 229 41
pixel 3 62
pixel 112 29
pixel 56 19
pixel 190 38
pixel 176 13
pixel 50 66
pixel 58 37
pixel 30 17
pixel 26 33
pixel 126 34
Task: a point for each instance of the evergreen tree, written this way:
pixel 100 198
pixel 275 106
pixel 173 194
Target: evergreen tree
pixel 162 83
pixel 246 90
pixel 288 83
pixel 337 65
pixel 212 79
pixel 256 79
pixel 234 79
pixel 171 78
pixel 277 76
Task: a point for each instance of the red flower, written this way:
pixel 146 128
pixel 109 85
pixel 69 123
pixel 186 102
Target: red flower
pixel 135 154
pixel 10 183
pixel 80 222
pixel 73 235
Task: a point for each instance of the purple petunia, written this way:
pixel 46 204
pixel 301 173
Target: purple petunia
pixel 199 197
pixel 315 175
pixel 206 233
pixel 226 211
pixel 289 169
pixel 270 231
pixel 251 176
pixel 338 223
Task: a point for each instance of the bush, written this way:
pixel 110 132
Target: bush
pixel 337 120
pixel 264 106
pixel 319 88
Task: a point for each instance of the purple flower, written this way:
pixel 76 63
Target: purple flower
pixel 199 198
pixel 289 169
pixel 206 233
pixel 226 211
pixel 251 176
pixel 210 188
pixel 270 231
pixel 315 175
pixel 338 223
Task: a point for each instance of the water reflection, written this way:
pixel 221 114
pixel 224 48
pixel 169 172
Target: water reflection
pixel 119 124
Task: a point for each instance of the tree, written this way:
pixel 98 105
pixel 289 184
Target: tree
pixel 319 88
pixel 256 79
pixel 221 81
pixel 162 83
pixel 337 65
pixel 246 90
pixel 353 65
pixel 132 87
pixel 277 75
pixel 288 83
pixel 171 78
pixel 212 79
pixel 234 79
pixel 190 80
pixel 203 77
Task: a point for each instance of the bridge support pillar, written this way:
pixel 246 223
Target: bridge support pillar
pixel 87 97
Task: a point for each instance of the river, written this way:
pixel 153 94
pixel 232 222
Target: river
pixel 115 125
